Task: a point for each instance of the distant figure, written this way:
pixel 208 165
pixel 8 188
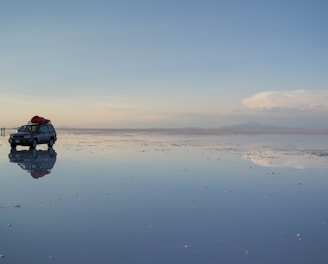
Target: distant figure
pixel 3 131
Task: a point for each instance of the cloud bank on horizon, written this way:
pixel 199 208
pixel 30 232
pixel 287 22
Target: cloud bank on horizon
pixel 293 99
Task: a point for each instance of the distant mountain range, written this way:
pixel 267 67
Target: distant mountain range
pixel 252 125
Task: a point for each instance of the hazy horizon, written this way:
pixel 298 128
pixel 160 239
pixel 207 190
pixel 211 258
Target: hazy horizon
pixel 237 129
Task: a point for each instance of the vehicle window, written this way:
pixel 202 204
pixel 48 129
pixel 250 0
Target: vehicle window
pixel 22 129
pixel 43 129
pixel 28 128
pixel 51 129
pixel 33 128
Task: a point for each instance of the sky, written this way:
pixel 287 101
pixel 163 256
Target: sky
pixel 146 64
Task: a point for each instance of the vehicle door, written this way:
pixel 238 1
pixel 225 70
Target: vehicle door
pixel 43 135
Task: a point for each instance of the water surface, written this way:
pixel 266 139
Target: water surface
pixel 148 197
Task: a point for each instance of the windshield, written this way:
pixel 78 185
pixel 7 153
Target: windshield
pixel 28 128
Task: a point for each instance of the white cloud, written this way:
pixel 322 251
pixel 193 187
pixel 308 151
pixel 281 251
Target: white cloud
pixel 297 99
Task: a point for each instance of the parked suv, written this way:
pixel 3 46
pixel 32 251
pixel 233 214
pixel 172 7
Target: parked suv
pixel 33 134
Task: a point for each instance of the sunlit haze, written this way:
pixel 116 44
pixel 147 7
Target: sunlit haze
pixel 130 64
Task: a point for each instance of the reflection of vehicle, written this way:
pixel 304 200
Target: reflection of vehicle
pixel 33 134
pixel 37 162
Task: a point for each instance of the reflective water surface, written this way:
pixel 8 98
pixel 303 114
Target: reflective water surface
pixel 139 197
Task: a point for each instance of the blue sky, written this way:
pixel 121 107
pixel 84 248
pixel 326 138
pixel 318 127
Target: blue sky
pixel 164 63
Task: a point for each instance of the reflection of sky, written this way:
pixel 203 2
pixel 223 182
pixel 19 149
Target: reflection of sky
pixel 301 159
pixel 271 151
pixel 115 148
pixel 150 198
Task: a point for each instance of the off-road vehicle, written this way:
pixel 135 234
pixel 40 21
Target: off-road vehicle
pixel 34 134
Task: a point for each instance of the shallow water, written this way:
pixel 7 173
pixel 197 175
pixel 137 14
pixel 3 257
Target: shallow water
pixel 137 197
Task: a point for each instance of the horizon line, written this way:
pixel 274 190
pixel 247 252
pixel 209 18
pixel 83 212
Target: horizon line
pixel 203 130
pixel 218 130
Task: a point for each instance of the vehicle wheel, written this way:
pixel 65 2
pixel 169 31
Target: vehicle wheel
pixel 34 143
pixel 13 145
pixel 51 142
pixel 34 153
pixel 51 152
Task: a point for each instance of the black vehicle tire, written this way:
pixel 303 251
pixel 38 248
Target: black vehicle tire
pixel 13 145
pixel 34 143
pixel 51 142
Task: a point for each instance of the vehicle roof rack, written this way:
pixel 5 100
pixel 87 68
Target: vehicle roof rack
pixel 31 123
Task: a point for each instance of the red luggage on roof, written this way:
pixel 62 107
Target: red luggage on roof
pixel 39 120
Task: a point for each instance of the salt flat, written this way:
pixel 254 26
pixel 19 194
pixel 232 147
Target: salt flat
pixel 156 197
